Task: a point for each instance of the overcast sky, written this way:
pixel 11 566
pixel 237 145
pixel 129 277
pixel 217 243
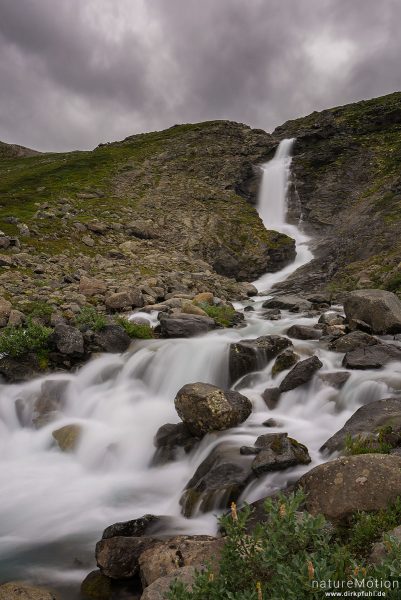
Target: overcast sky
pixel 74 73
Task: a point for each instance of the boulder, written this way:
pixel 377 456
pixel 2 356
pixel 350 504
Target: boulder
pixel 67 437
pixel 67 340
pixel 366 422
pixel 189 308
pixel 204 407
pixel 271 396
pixel 273 314
pixel 204 298
pixel 379 550
pixel 49 401
pixel 372 357
pixel 125 299
pixel 183 326
pixel 331 319
pixel 170 440
pixel 285 360
pixel 181 551
pixel 300 374
pixel 5 310
pixel 277 452
pixel 118 557
pixel 288 302
pixel 304 332
pixel 21 368
pixel 337 379
pixel 96 586
pixel 380 309
pixel 16 318
pixel 158 589
pixel 218 481
pixel 112 338
pixel 352 341
pixel 90 286
pixel 341 487
pixel 246 356
pixel 134 528
pixel 22 591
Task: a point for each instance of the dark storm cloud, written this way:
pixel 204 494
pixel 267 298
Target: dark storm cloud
pixel 77 72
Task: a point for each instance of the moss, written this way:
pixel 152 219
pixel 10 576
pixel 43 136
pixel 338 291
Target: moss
pixel 223 315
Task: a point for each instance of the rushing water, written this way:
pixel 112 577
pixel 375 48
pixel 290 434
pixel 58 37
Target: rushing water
pixel 54 505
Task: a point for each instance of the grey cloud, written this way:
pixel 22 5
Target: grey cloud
pixel 77 72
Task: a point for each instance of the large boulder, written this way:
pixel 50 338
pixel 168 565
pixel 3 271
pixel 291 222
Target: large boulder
pixel 253 355
pixel 124 299
pixel 112 338
pixel 365 482
pixel 304 332
pixel 90 286
pixel 372 357
pixel 367 422
pixel 183 551
pixel 204 407
pixel 158 589
pixel 300 374
pixel 118 557
pixel 67 340
pixel 183 325
pixel 277 451
pixel 378 308
pixel 22 591
pixel 288 302
pixel 352 341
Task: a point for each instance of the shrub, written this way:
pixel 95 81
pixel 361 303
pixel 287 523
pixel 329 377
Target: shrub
pixel 281 558
pixel 136 330
pixel 17 341
pixel 223 315
pixel 38 310
pixel 89 318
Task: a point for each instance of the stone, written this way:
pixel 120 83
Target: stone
pixel 96 586
pixel 49 401
pixel 336 379
pixel 124 300
pixel 366 422
pixel 273 314
pixel 170 440
pixel 378 308
pixel 288 302
pixel 16 318
pixel 372 357
pixel 181 551
pixel 118 557
pixel 21 368
pixel 88 241
pixel 285 360
pixel 204 408
pixel 379 551
pixel 68 437
pixel 112 338
pixel 300 374
pixel 16 590
pixel 204 298
pixel 67 340
pixel 278 452
pixel 90 286
pixel 97 227
pixel 304 332
pixel 247 356
pixel 158 589
pixel 339 488
pixel 331 318
pixel 189 308
pixel 352 341
pixel 271 396
pixel 134 528
pixel 4 242
pixel 183 326
pixel 5 311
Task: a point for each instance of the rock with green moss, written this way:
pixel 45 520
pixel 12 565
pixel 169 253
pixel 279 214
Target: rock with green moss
pixel 251 355
pixel 277 451
pixel 284 361
pixel 68 437
pixel 96 586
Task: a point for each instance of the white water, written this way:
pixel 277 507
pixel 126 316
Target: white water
pixel 54 506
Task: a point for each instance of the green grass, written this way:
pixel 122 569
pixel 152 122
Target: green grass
pixel 135 330
pixel 90 318
pixel 17 341
pixel 223 315
pixel 359 445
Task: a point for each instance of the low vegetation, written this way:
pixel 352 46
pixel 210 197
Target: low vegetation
pixel 140 331
pixel 31 337
pixel 223 315
pixel 90 318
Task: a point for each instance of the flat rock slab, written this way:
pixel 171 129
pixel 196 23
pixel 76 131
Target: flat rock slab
pixel 372 357
pixel 288 302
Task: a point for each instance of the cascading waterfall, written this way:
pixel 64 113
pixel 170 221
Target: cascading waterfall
pixel 54 505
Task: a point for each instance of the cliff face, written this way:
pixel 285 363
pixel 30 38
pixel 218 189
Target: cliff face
pixel 346 175
pixel 171 205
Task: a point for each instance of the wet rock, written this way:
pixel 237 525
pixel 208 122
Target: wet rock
pixel 68 437
pixel 278 452
pixel 49 401
pixel 204 407
pixel 300 374
pixel 249 308
pixel 253 355
pixel 118 557
pixel 379 551
pixel 5 310
pixel 372 357
pixel 380 309
pixel 341 487
pixel 352 341
pixel 285 360
pixel 358 325
pixel 22 591
pixel 144 526
pixel 158 589
pixel 336 379
pixel 273 314
pixel 90 286
pixel 249 450
pixel 170 440
pixel 331 318
pixel 367 422
pixel 288 302
pixel 218 481
pixel 319 298
pixel 67 340
pixel 96 586
pixel 183 551
pixel 183 326
pixel 272 423
pixel 304 332
pixel 271 396
pixel 112 338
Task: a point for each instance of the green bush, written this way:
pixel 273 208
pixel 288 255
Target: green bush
pixel 135 330
pixel 360 445
pixel 282 558
pixel 38 310
pixel 223 315
pixel 89 318
pixel 17 341
pixel 394 284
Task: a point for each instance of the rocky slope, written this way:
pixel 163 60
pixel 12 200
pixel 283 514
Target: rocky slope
pixel 167 210
pixel 347 180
